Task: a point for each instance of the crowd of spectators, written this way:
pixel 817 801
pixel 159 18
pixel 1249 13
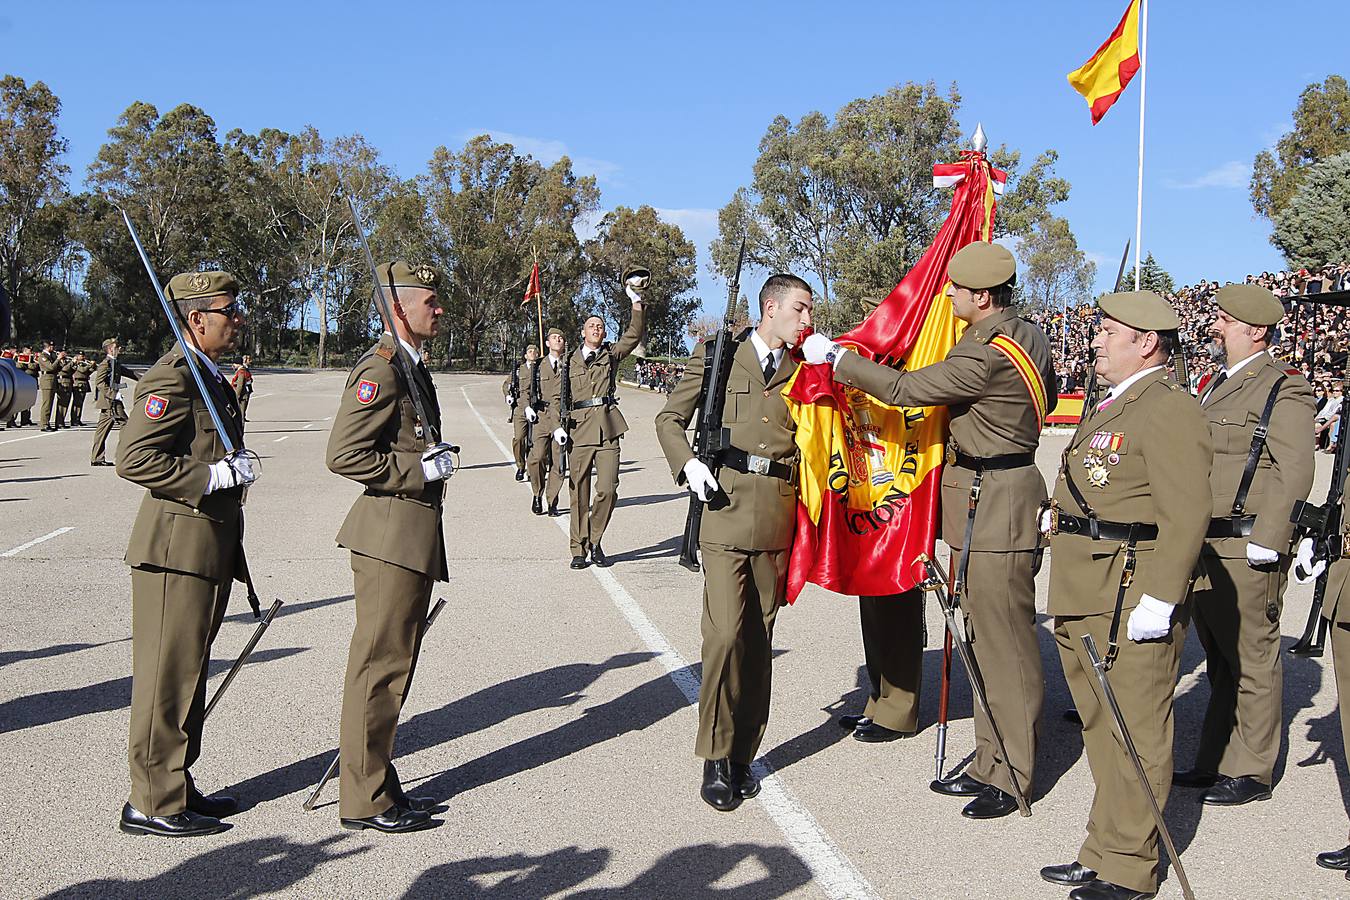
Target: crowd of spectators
pixel 658 376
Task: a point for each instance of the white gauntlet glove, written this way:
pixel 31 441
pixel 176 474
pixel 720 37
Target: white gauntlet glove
pixel 438 462
pixel 560 436
pixel 1260 556
pixel 699 479
pixel 817 345
pixel 1150 620
pixel 233 471
pixel 1047 517
pixel 510 401
pixel 630 287
pixel 1306 569
pixel 530 415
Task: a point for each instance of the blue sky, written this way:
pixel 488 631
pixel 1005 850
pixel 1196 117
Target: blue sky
pixel 666 103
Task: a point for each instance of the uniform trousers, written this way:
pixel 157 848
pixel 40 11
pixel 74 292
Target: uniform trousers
pixel 77 406
pixel 1339 633
pixel 1122 839
pixel 544 467
pixel 519 426
pixel 63 396
pixel 391 612
pixel 590 515
pixel 1238 622
pixel 47 397
pixel 174 619
pixel 742 590
pixel 893 639
pixel 107 418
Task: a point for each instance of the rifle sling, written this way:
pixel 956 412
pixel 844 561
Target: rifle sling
pixel 1254 454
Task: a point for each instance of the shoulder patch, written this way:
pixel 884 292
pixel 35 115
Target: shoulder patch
pixel 156 406
pixel 366 390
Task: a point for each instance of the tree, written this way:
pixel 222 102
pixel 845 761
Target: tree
pixel 627 238
pixel 1152 277
pixel 1311 229
pixel 34 213
pixel 1321 129
pixel 1055 272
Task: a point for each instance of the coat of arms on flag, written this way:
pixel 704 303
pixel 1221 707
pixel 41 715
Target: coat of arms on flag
pixel 156 406
pixel 366 391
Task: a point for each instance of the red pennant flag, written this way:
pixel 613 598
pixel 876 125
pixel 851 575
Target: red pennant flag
pixel 532 290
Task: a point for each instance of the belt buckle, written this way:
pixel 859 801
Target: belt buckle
pixel 951 455
pixel 1054 517
pixel 758 464
pixel 1345 546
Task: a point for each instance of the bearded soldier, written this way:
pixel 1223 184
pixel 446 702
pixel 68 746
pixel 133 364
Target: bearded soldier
pixel 1130 511
pixel 514 389
pixel 543 408
pixel 1260 416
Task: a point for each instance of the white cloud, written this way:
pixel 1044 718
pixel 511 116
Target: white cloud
pixel 1272 137
pixel 1232 174
pixel 699 225
pixel 548 151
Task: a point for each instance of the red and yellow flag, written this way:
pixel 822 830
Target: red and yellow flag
pixel 532 289
pixel 1103 77
pixel 870 473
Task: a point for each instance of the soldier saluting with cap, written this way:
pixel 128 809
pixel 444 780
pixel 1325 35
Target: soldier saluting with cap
pixel 1130 510
pixel 184 553
pixel 994 383
pixel 397 545
pixel 1260 416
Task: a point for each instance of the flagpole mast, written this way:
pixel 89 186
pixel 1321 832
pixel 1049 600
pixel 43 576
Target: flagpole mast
pixel 1143 83
pixel 539 302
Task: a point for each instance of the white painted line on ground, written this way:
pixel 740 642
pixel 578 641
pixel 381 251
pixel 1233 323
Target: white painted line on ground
pixel 307 427
pixel 29 438
pixel 832 869
pixel 260 396
pixel 280 439
pixel 35 541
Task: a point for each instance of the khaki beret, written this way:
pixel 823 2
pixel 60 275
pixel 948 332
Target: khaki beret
pixel 1141 310
pixel 981 265
pixel 557 331
pixel 195 285
pixel 404 274
pixel 638 272
pixel 1250 303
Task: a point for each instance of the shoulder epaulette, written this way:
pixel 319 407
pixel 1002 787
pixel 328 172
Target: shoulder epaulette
pixel 385 353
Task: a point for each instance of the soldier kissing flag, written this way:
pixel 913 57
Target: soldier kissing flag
pixel 870 473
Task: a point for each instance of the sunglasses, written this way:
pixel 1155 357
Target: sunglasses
pixel 231 309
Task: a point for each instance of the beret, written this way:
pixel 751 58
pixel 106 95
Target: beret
pixel 1250 303
pixel 981 265
pixel 195 285
pixel 1141 310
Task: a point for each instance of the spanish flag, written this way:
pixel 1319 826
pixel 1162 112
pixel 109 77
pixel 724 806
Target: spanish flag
pixel 870 474
pixel 1103 77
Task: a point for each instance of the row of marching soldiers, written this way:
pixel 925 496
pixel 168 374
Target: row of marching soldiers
pixel 1167 509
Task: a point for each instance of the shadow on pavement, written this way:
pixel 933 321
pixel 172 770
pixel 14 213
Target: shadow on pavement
pixel 247 869
pixel 49 707
pixel 670 547
pixel 43 478
pixel 827 733
pixel 651 498
pixel 290 609
pixel 12 656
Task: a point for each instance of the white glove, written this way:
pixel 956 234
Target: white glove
pixel 530 415
pixel 699 479
pixel 817 345
pixel 1260 556
pixel 628 289
pixel 1150 620
pixel 1305 568
pixel 1046 517
pixel 560 436
pixel 438 462
pixel 232 471
pixel 510 401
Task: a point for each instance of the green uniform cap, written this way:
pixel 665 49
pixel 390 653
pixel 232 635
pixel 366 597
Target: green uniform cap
pixel 981 265
pixel 1250 303
pixel 404 274
pixel 557 331
pixel 194 285
pixel 637 272
pixel 1141 310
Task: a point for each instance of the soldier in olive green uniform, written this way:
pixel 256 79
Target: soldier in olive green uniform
pixel 242 382
pixel 397 545
pixel 514 389
pixel 746 532
pixel 543 401
pixel 108 399
pixel 184 552
pixel 48 367
pixel 80 380
pixel 1133 489
pixel 1239 595
pixel 1336 612
pixel 65 387
pixel 994 383
pixel 594 426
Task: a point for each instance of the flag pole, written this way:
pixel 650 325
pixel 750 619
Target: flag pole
pixel 539 302
pixel 1143 83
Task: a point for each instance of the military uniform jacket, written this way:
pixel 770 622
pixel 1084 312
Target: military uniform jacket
pixel 65 374
pixel 523 375
pixel 1334 607
pixel 548 401
pixel 81 375
pixel 374 442
pixel 992 414
pixel 242 382
pixel 597 425
pixel 1160 443
pixel 167 446
pixel 101 379
pixel 1284 471
pixel 761 514
pixel 48 368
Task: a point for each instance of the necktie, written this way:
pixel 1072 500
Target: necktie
pixel 769 368
pixel 1223 376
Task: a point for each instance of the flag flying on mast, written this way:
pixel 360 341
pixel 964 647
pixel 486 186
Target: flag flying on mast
pixel 870 474
pixel 532 289
pixel 1103 78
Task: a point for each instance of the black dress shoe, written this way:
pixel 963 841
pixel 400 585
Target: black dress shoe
pixel 418 804
pixel 101 462
pixel 598 557
pixel 1335 859
pixel 872 733
pixel 579 562
pixel 848 723
pixel 394 820
pixel 1072 874
pixel 48 428
pixel 537 506
pixel 520 474
pixel 960 786
pixel 217 805
pixel 1235 792
pixel 183 824
pixel 1194 778
pixel 992 803
pixel 718 791
pixel 747 785
pixel 1105 890
pixel 553 508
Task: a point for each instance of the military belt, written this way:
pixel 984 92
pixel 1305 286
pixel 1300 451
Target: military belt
pixel 990 463
pixel 1230 527
pixel 1100 529
pixel 750 464
pixel 594 401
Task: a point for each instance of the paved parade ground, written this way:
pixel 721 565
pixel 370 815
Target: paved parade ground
pixel 551 710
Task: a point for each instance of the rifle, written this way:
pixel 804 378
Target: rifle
pixel 565 410
pixel 513 393
pixel 935 580
pixel 709 435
